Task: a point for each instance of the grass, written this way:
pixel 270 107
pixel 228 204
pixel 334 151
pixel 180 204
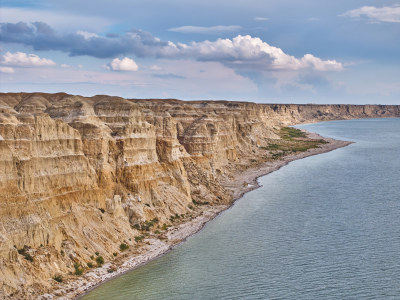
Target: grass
pixel 272 147
pixel 290 133
pixel 292 141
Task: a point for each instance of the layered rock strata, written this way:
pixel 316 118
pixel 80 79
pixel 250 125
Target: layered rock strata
pixel 80 175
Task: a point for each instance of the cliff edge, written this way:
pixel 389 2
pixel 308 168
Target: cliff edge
pixel 82 176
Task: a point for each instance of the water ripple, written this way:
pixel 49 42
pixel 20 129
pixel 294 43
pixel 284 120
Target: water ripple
pixel 325 227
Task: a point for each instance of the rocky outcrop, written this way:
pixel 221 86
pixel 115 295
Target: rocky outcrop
pixel 79 175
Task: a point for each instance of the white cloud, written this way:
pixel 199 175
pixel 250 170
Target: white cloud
pixel 318 64
pixel 155 68
pixel 6 70
pixel 200 29
pixel 87 35
pixel 252 52
pixel 21 59
pixel 125 64
pixel 241 52
pixel 389 14
pixel 64 66
pixel 260 19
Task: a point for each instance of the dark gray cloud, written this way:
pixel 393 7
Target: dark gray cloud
pixel 40 36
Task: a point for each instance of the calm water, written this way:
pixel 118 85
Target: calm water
pixel 325 227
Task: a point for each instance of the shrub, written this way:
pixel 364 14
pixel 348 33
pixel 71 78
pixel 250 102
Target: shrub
pixel 123 247
pixel 100 260
pixel 146 225
pixel 139 238
pixel 200 203
pixel 58 278
pixel 97 253
pixel 91 257
pixel 28 257
pixel 78 269
pixel 157 232
pixel 90 265
pixel 24 253
pixel 273 147
pixel 111 270
pixel 136 226
pixel 115 253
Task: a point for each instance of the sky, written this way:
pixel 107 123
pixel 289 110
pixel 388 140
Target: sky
pixel 265 51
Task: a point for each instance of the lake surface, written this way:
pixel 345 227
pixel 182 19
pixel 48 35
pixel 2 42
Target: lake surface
pixel 324 227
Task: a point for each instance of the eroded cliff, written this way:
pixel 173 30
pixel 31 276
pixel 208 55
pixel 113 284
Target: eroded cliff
pixel 81 175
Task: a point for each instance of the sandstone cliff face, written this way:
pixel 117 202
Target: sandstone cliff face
pixel 76 173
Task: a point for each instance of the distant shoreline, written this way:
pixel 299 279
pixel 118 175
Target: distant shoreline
pixel 242 183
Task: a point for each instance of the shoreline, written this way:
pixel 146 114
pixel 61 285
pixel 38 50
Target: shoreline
pixel 242 183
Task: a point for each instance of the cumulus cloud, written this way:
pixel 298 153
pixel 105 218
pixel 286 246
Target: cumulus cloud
pixel 241 52
pixel 247 51
pixel 125 64
pixel 6 70
pixel 21 59
pixel 389 14
pixel 206 30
